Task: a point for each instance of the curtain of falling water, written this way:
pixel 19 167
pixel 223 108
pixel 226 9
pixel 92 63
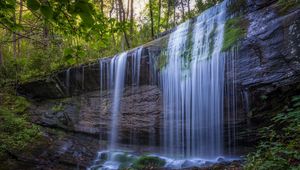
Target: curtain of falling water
pixel 232 99
pixel 68 81
pixel 104 88
pixel 136 66
pixel 135 81
pixel 171 85
pixel 117 77
pixel 193 88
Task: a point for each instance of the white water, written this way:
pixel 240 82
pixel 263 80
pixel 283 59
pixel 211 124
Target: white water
pixel 231 100
pixel 193 88
pixel 136 66
pixel 117 70
pixel 135 82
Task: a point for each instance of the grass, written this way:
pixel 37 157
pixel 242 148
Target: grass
pixel 235 30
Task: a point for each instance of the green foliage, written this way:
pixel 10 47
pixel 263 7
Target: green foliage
pixel 73 54
pixel 33 5
pixel 16 133
pixel 7 8
pixel 38 63
pixel 279 148
pixel 235 29
pixel 52 10
pixel 51 35
pixel 148 162
pixel 285 5
pixel 204 5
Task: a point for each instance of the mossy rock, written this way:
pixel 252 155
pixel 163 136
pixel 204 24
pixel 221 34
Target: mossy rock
pixel 148 162
pixel 285 5
pixel 162 60
pixel 235 30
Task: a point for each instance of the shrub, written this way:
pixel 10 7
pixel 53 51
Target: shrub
pixel 16 133
pixel 280 145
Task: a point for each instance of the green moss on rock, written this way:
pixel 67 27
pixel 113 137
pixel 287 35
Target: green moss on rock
pixel 235 29
pixel 162 60
pixel 58 108
pixel 211 40
pixel 148 162
pixel 286 5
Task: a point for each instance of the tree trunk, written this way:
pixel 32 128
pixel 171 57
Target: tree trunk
pixel 159 14
pixel 182 10
pixel 174 16
pixel 168 13
pixel 122 19
pixel 131 18
pixel 110 16
pixel 20 22
pixel 189 8
pixel 112 8
pixel 14 41
pixel 46 34
pixel 102 6
pixel 127 11
pixel 1 57
pixel 151 17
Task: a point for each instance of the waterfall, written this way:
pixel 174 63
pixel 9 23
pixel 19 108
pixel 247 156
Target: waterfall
pixel 135 83
pixel 191 73
pixel 117 76
pixel 136 66
pixel 67 82
pixel 232 99
pixel 193 88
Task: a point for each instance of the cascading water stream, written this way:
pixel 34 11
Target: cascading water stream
pixel 118 68
pixel 68 81
pixel 193 88
pixel 135 83
pixel 136 66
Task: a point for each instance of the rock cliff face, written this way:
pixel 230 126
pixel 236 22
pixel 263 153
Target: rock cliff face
pixel 267 71
pixel 90 114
